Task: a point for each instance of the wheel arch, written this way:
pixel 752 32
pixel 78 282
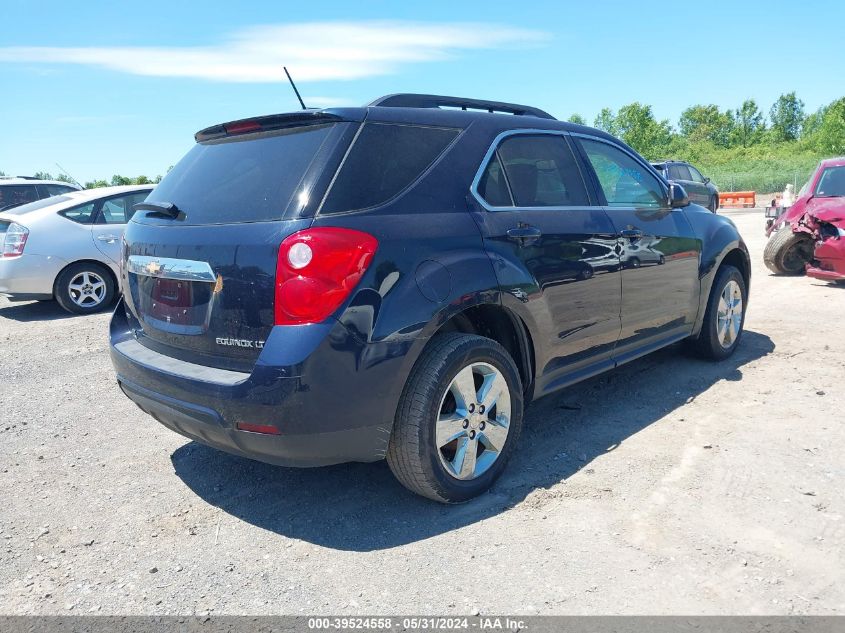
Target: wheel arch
pixel 86 260
pixel 736 255
pixel 500 324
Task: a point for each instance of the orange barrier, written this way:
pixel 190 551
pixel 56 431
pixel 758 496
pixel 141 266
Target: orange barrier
pixel 738 199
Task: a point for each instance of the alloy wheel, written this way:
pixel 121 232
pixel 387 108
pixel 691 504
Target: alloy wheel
pixel 729 314
pixel 87 289
pixel 473 421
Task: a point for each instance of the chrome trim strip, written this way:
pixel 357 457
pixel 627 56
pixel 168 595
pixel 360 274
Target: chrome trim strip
pixel 139 354
pixel 170 268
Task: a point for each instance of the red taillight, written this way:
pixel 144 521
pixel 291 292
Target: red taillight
pixel 266 429
pixel 242 127
pixel 316 271
pixel 14 240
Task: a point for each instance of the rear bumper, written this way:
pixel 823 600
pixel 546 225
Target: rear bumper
pixel 207 426
pixel 313 384
pixel 29 276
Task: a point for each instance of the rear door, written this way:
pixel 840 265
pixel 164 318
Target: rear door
pixel 659 251
pixel 110 221
pixel 199 284
pixel 552 249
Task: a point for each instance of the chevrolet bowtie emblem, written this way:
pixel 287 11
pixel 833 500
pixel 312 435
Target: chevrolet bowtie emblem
pixel 153 268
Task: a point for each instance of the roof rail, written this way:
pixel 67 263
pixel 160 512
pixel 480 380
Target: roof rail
pixel 410 100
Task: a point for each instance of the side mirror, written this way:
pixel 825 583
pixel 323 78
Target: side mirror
pixel 677 196
pixel 706 180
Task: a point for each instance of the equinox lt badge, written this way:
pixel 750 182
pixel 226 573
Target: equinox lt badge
pixel 239 342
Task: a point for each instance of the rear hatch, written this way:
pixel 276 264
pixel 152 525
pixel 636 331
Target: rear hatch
pixel 199 262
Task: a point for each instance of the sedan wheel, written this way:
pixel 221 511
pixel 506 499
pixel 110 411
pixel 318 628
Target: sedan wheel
pixel 84 288
pixel 87 290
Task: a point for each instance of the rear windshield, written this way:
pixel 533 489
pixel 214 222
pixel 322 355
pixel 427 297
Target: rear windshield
pixel 249 178
pixel 385 159
pixel 38 204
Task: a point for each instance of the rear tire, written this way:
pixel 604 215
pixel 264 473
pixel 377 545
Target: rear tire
pixel 787 253
pixel 444 446
pixel 724 319
pixel 85 288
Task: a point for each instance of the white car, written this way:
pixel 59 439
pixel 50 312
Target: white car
pixel 18 190
pixel 67 247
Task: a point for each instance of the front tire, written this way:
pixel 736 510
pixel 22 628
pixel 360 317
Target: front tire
pixel 85 288
pixel 724 319
pixel 458 419
pixel 713 205
pixel 787 253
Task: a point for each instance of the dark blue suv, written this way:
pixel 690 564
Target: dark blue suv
pixel 401 280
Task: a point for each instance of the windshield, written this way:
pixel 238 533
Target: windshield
pixel 832 183
pixel 34 206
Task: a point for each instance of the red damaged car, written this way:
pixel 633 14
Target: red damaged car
pixel 810 235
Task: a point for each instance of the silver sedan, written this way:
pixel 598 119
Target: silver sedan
pixel 67 247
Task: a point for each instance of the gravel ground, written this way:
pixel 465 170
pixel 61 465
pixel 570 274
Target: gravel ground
pixel 669 486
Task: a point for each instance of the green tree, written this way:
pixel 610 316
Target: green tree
pixel 636 125
pixel 786 116
pixel 577 118
pixel 43 175
pixel 2 173
pixel 707 123
pixel 748 124
pixel 830 136
pixel 117 180
pixel 606 121
pixel 95 184
pixel 812 123
pixel 65 178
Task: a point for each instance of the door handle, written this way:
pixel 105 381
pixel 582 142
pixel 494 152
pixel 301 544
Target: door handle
pixel 108 238
pixel 631 234
pixel 524 234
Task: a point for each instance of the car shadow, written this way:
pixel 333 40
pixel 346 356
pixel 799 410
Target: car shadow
pixel 361 507
pixel 34 311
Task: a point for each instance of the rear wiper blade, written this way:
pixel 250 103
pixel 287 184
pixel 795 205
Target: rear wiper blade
pixel 164 208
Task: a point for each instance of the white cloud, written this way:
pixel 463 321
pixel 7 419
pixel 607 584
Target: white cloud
pixel 313 51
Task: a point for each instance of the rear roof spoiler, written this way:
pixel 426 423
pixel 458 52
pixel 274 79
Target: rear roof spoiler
pixel 268 122
pixel 411 100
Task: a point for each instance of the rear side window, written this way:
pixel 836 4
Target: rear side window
pixel 249 178
pixel 679 172
pixel 83 214
pixel 38 204
pixel 384 161
pixel 540 172
pixel 16 195
pixel 54 190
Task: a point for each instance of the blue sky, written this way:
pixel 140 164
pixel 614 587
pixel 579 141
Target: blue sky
pixel 111 87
